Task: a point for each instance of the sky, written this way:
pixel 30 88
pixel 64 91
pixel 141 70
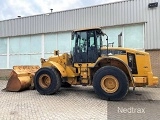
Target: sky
pixel 10 9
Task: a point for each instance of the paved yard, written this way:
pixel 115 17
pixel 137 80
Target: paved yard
pixel 78 103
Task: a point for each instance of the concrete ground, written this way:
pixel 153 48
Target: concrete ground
pixel 5 73
pixel 78 103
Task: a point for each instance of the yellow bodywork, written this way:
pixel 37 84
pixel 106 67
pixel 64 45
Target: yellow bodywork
pixel 85 71
pixel 144 77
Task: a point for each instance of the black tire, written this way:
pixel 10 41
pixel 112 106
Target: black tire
pixel 65 84
pixel 123 84
pixel 53 77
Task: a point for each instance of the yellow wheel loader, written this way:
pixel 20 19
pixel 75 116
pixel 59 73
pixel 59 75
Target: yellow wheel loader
pixel 111 71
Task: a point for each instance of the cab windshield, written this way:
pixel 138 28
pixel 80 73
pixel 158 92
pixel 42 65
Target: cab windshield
pixel 86 45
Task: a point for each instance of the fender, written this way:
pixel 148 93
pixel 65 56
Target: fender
pixel 58 66
pixel 112 58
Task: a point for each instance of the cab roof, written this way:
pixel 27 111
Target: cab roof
pixel 85 29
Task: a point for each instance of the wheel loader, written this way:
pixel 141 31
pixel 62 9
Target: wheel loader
pixel 110 70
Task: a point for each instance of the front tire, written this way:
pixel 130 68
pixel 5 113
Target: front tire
pixel 47 81
pixel 110 83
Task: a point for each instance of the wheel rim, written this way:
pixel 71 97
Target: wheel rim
pixel 44 81
pixel 109 84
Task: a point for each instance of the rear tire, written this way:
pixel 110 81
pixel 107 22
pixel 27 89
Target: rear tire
pixel 47 80
pixel 110 83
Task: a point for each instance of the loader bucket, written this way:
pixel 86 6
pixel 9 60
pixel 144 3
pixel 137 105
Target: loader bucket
pixel 21 78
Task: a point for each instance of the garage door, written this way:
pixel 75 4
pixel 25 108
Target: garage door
pixel 3 52
pixel 24 50
pixel 132 35
pixel 57 41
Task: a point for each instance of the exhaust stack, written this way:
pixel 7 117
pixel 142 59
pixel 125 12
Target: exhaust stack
pixel 120 40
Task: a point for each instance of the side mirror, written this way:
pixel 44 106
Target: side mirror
pixel 56 52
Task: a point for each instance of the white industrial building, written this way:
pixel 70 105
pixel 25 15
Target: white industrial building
pixel 24 40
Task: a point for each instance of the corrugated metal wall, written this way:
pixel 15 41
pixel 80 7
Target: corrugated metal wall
pixel 125 12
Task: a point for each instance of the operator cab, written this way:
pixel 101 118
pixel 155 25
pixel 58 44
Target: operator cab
pixel 86 45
